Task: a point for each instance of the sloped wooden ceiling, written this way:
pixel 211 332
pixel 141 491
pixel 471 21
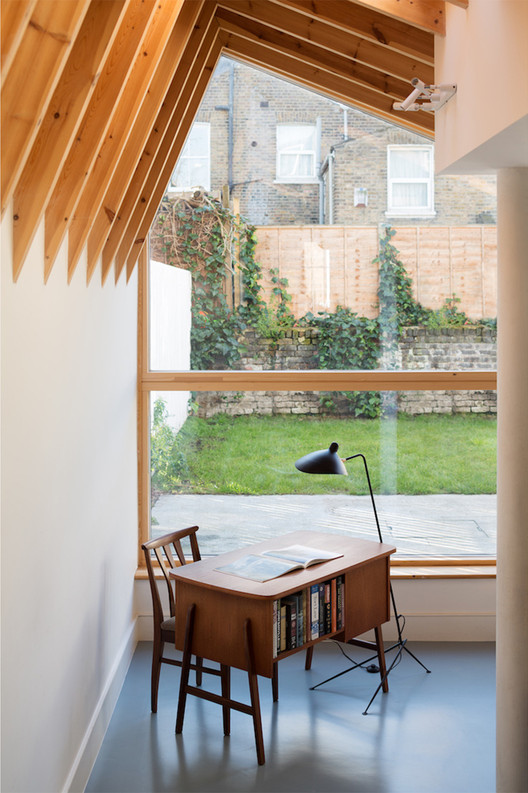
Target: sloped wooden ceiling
pixel 98 97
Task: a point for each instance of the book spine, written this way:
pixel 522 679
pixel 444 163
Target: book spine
pixel 306 616
pixel 293 624
pixel 300 619
pixel 327 607
pixel 340 602
pixel 282 645
pixel 315 611
pixel 333 600
pixel 276 626
pixel 321 609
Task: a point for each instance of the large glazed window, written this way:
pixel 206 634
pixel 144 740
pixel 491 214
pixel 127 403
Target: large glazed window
pixel 267 334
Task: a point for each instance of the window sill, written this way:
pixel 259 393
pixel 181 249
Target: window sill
pixel 443 568
pixel 420 569
pixel 310 181
pixel 410 215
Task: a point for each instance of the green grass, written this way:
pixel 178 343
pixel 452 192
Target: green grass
pixel 255 455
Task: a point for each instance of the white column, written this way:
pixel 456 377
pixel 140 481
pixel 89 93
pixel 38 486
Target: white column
pixel 512 484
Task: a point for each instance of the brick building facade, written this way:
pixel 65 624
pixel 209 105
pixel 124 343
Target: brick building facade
pixel 243 107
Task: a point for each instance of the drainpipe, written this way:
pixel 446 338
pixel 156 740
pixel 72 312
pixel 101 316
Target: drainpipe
pixel 229 108
pixel 230 127
pixel 331 158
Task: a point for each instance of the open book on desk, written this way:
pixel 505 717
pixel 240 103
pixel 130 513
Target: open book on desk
pixel 274 563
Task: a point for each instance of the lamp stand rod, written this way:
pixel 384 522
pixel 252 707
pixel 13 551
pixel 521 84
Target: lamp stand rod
pixel 401 644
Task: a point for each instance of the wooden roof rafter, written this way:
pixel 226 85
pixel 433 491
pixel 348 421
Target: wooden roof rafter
pixel 114 86
pixel 171 145
pixel 124 228
pixel 152 102
pixel 61 121
pixel 124 118
pixel 363 80
pixel 50 31
pixel 354 19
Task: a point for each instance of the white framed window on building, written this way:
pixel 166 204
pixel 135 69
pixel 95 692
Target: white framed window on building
pixel 410 180
pixel 296 152
pixel 193 168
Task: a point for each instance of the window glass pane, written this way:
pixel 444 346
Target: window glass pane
pixel 409 195
pixel 409 163
pixel 296 165
pixel 230 468
pixel 193 166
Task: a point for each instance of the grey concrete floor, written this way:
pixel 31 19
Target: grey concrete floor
pixel 440 525
pixel 432 733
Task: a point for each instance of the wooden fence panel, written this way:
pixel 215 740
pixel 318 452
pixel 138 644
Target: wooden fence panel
pixel 327 266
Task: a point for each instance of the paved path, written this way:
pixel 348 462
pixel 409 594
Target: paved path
pixel 445 525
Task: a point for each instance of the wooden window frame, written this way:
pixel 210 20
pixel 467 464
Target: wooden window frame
pixel 286 380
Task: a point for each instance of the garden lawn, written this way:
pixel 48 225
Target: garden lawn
pixel 255 455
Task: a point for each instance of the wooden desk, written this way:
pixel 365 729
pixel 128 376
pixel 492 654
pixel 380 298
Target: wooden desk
pixel 229 620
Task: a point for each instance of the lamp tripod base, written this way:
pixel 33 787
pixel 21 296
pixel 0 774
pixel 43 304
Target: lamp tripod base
pixel 400 646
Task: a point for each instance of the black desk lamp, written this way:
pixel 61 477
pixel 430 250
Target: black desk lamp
pixel 327 461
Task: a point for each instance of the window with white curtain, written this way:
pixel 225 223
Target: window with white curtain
pixel 296 152
pixel 410 180
pixel 193 168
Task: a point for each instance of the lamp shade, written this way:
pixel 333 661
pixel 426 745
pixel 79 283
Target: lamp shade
pixel 325 461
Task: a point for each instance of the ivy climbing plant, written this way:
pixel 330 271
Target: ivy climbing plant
pixel 199 235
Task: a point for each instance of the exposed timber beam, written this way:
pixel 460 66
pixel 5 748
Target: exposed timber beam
pixel 150 108
pixel 330 84
pixel 94 126
pixel 123 121
pixel 43 51
pixel 126 222
pixel 367 23
pixel 425 14
pixel 61 121
pixel 159 177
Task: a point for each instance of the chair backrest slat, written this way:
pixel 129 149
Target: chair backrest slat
pixel 163 548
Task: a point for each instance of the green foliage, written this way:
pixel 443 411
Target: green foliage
pixel 168 467
pixel 277 317
pixel 202 239
pixel 397 306
pixel 348 341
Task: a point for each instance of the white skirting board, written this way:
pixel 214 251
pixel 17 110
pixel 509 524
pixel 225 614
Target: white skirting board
pixel 96 729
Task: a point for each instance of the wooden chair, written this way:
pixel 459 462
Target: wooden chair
pixel 168 552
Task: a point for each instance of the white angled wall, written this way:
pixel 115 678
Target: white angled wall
pixel 170 332
pixel 69 515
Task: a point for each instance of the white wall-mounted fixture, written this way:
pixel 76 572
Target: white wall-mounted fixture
pixel 426 97
pixel 360 196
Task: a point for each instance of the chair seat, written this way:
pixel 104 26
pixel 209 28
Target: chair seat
pixel 169 625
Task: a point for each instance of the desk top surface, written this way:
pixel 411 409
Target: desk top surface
pixel 356 553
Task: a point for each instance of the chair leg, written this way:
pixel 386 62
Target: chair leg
pixel 199 665
pixel 275 682
pixel 157 654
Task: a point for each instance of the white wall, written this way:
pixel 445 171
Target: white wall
pixel 69 515
pixel 485 125
pixel 170 332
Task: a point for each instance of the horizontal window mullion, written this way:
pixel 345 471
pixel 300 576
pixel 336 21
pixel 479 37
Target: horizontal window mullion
pixel 322 380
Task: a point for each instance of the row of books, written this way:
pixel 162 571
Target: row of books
pixel 308 615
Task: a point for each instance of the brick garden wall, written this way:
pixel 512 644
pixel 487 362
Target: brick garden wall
pixel 443 348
